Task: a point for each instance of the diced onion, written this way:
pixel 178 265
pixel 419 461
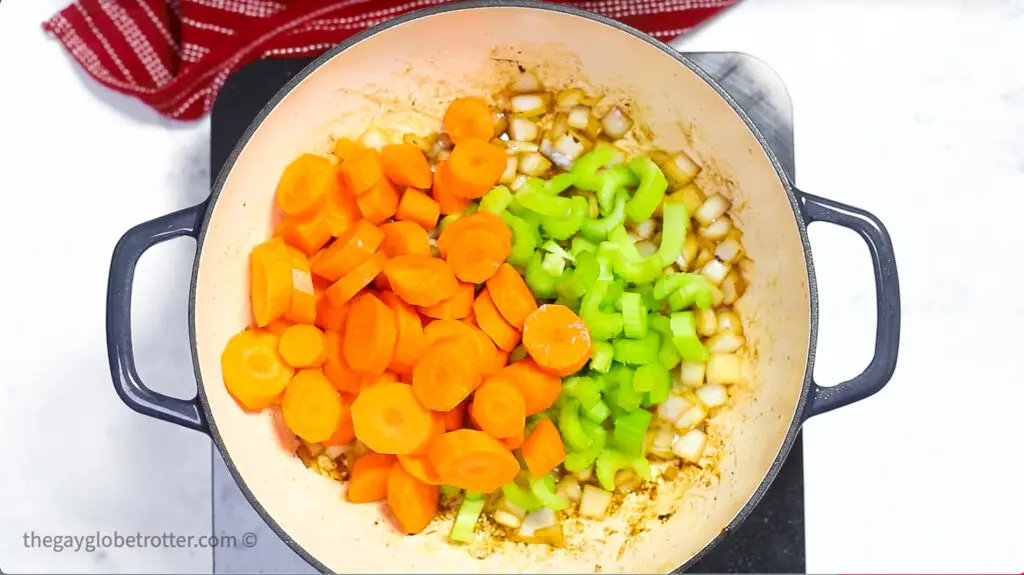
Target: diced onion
pixel 500 123
pixel 724 342
pixel 716 296
pixel 626 480
pixel 672 408
pixel 692 417
pixel 533 164
pixel 418 141
pixel 690 249
pixel 723 368
pixel 593 128
pixel 693 197
pixel 569 98
pixel 525 82
pixel 518 182
pixel 616 123
pixel 336 451
pixel 553 536
pixel 707 322
pixel 517 147
pixel 536 520
pixel 569 488
pixel 595 502
pixel 713 395
pixel 510 507
pixel 680 169
pixel 646 248
pixel 712 209
pixel 661 445
pixel 529 104
pixel 645 229
pixel 729 250
pixel 585 475
pixel 717 230
pixel 374 138
pixel 746 266
pixel 733 287
pixel 703 256
pixel 505 518
pixel 714 271
pixel 579 117
pixel 691 373
pixel 569 146
pixel 511 166
pixel 690 445
pixel 524 130
pixel 729 321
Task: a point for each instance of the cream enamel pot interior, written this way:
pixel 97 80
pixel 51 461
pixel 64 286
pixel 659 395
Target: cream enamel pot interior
pixel 401 74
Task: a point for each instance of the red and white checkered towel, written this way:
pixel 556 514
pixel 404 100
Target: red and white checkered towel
pixel 174 55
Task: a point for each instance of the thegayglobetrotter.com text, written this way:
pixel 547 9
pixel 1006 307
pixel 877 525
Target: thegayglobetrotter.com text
pixel 90 542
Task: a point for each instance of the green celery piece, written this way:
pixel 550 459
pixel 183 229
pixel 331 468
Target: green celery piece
pixel 630 430
pixel 684 335
pixel 646 291
pixel 638 351
pixel 611 461
pixel 601 324
pixel 577 461
pixel 675 220
pixel 450 490
pixel 475 495
pixel 634 315
pixel 606 254
pixel 520 497
pixel 612 300
pixel 569 426
pixel 554 265
pixel 601 359
pixel 540 282
pixel 580 245
pixel 445 221
pixel 597 230
pixel 668 355
pixel 598 413
pixel 496 200
pixel 574 285
pixel 559 183
pixel 586 166
pixel 563 227
pixel 668 284
pixel 586 390
pixel 465 520
pixel 552 247
pixel 629 264
pixel 649 193
pixel 544 204
pixel 654 379
pixel 544 490
pixel 625 398
pixel 524 239
pixel 613 180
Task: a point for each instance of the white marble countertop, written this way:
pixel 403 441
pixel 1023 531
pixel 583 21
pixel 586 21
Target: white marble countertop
pixel 912 110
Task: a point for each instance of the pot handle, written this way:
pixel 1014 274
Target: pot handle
pixel 887 294
pixel 133 392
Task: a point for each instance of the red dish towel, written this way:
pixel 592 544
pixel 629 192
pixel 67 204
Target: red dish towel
pixel 174 55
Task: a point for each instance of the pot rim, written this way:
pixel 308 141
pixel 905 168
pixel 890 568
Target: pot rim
pixel 800 414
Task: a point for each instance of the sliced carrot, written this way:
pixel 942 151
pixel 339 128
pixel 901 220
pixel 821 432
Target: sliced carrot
pixel 278 326
pixel 419 466
pixel 468 118
pixel 307 234
pixel 412 502
pixel 345 148
pixel 516 441
pixel 420 280
pixel 543 449
pixel 305 185
pixel 471 459
pixel 303 345
pixel 311 406
pixel 409 342
pixel 403 238
pixel 270 281
pixel 347 287
pixel 499 407
pixel 557 339
pixel 368 479
pixel 486 221
pixel 253 370
pixel 352 248
pixel 370 333
pixel 474 167
pixel 329 317
pixel 446 375
pixel 341 211
pixel 437 430
pixel 511 296
pixel 540 389
pixel 457 306
pixel 493 324
pixel 303 308
pixel 361 171
pixel 342 377
pixel 476 343
pixel 442 192
pixel 379 203
pixel 470 319
pixel 374 379
pixel 455 418
pixel 502 359
pixel 344 433
pixel 389 419
pixel 478 255
pixel 405 165
pixel 415 206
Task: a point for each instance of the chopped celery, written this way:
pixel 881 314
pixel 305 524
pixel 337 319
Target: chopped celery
pixel 447 220
pixel 597 230
pixel 611 461
pixel 629 264
pixel 496 200
pixel 475 495
pixel 625 398
pixel 563 227
pixel 544 204
pixel 649 193
pixel 574 285
pixel 598 412
pixel 601 324
pixel 520 497
pixel 541 283
pixel 580 245
pixel 544 490
pixel 586 390
pixel 612 300
pixel 465 520
pixel 552 247
pixel 634 315
pixel 646 291
pixel 524 239
pixel 559 183
pixel 613 180
pixel 668 355
pixel 638 351
pixel 674 222
pixel 585 168
pixel 654 379
pixel 668 284
pixel 450 490
pixel 569 426
pixel 554 264
pixel 601 358
pixel 577 461
pixel 684 336
pixel 630 430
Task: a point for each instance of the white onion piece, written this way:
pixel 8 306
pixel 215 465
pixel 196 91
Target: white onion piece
pixel 595 502
pixel 645 229
pixel 711 209
pixel 616 123
pixel 723 368
pixel 646 248
pixel 707 322
pixel 746 266
pixel 525 82
pixel 680 169
pixel 569 488
pixel 703 256
pixel 569 146
pixel 691 373
pixel 585 475
pixel 336 451
pixel 569 98
pixel 690 445
pixel 374 138
pixel 523 130
pixel 717 230
pixel 536 520
pixel 716 296
pixel 517 147
pixel 729 321
pixel 693 197
pixel 579 117
pixel 661 445
pixel 713 395
pixel 733 287
pixel 729 250
pixel 672 408
pixel 533 164
pixel 517 183
pixel 714 271
pixel 511 166
pixel 529 104
pixel 691 417
pixel 505 518
pixel 512 508
pixel 724 342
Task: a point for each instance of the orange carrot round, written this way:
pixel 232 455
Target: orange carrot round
pixel 303 308
pixel 442 192
pixel 304 185
pixel 370 334
pixel 378 203
pixel 516 441
pixel 476 343
pixel 308 233
pixel 412 502
pixel 419 466
pixel 361 170
pixel 557 339
pixel 347 287
pixel 540 389
pixel 420 280
pixel 354 247
pixel 340 212
pixel 344 433
pixel 511 296
pixel 329 317
pixel 499 408
pixel 474 167
pixel 270 281
pixel 389 419
pixel 471 459
pixel 493 324
pixel 409 342
pixel 402 238
pixel 405 165
pixel 478 255
pixel 253 370
pixel 368 479
pixel 455 418
pixel 486 221
pixel 543 449
pixel 446 374
pixel 311 406
pixel 415 206
pixel 345 148
pixel 468 118
pixel 303 345
pixel 278 326
pixel 457 306
pixel 374 379
pixel 342 377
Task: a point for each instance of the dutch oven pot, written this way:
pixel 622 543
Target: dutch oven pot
pixel 402 74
